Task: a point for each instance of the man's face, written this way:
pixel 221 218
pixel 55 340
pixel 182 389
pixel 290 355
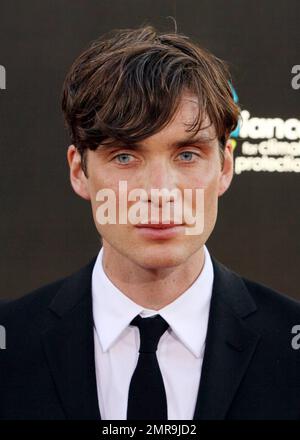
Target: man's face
pixel 158 163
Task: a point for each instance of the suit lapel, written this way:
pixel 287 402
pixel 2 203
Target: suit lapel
pixel 230 344
pixel 69 346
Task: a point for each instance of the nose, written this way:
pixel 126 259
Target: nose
pixel 159 175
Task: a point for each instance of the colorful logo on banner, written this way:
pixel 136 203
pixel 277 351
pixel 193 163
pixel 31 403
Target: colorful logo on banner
pixel 265 144
pixel 235 133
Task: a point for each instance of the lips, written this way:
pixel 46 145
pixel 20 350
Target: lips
pixel 158 225
pixel 159 231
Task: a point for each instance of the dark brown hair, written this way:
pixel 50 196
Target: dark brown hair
pixel 127 85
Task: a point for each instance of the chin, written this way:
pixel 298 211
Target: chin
pixel 161 258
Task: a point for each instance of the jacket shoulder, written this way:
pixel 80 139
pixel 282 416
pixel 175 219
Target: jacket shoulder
pixel 269 298
pixel 36 301
pixel 31 302
pixel 271 304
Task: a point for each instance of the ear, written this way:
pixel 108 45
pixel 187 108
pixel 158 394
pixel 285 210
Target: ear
pixel 227 170
pixel 77 176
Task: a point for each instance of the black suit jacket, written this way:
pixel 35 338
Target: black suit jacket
pixel 250 369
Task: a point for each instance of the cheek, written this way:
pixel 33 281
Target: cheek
pixel 97 183
pixel 209 182
pixel 208 179
pixel 102 182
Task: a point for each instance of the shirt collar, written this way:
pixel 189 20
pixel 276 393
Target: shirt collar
pixel 187 316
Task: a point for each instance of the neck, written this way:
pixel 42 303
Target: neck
pixel 151 288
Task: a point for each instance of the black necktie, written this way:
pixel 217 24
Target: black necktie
pixel 147 396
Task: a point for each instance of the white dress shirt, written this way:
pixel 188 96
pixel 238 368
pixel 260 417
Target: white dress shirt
pixel 180 349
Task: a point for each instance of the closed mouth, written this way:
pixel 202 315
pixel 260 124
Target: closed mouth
pixel 158 225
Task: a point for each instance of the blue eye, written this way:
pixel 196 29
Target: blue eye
pixel 188 155
pixel 122 155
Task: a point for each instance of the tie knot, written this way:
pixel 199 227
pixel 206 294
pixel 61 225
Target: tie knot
pixel 151 329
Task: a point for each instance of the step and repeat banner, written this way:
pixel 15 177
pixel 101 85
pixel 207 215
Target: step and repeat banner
pixel 47 232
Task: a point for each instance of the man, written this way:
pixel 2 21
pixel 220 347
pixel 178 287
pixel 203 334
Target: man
pixel 153 327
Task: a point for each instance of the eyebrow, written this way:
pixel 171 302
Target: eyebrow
pixel 194 139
